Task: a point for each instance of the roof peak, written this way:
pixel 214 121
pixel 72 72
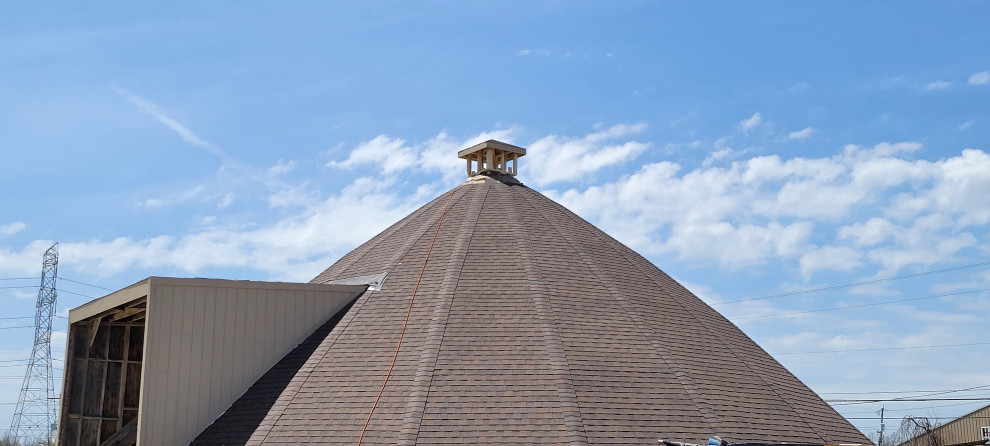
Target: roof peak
pixel 492 156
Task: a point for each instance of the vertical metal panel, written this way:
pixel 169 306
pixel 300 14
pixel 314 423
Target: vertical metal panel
pixel 218 342
pixel 963 430
pixel 966 429
pixel 172 328
pixel 202 330
pixel 208 341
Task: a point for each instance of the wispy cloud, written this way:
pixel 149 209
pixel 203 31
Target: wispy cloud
pixel 533 52
pixel 282 167
pixel 556 158
pixel 156 112
pixel 198 193
pixel 801 134
pixel 11 229
pixel 752 122
pixel 981 78
pixel 937 85
pixel 798 88
pixel 966 125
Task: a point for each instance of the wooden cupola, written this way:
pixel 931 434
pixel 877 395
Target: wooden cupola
pixel 492 156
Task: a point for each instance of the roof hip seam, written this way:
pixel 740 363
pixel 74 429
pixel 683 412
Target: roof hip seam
pixel 336 332
pixel 622 302
pixel 396 227
pixel 553 341
pixel 610 242
pixel 415 406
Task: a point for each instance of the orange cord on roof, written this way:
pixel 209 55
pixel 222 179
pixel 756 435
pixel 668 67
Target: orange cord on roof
pixel 406 322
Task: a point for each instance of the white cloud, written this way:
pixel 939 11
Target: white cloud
pixel 864 205
pixel 960 185
pixel 11 229
pixel 830 258
pixel 966 125
pixel 557 158
pixel 390 153
pixel 24 262
pixel 981 78
pixel 154 111
pixel 937 85
pixel 765 207
pixel 198 193
pixel 801 134
pixel 227 199
pixel 438 154
pixel 294 248
pixel 751 122
pixel 740 246
pixel 534 52
pixel 281 167
pixel 717 155
pixel 549 159
pixel 869 233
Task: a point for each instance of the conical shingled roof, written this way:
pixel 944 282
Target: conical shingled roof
pixel 530 326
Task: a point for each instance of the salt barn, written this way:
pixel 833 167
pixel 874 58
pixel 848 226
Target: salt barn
pixel 490 315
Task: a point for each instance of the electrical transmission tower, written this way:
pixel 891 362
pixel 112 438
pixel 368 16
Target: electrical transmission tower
pixel 34 417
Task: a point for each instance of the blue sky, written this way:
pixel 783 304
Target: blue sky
pixel 748 149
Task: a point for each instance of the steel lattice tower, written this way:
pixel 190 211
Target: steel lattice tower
pixel 34 417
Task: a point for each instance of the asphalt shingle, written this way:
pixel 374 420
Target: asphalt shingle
pixel 530 326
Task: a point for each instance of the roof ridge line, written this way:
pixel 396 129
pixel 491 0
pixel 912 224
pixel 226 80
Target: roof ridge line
pixel 391 230
pixel 707 412
pixel 554 345
pixel 363 298
pixel 610 241
pixel 418 396
pixel 310 365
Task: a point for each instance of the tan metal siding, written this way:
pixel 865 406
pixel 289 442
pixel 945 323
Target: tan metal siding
pixel 206 343
pixel 964 430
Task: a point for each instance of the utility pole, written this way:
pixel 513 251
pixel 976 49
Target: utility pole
pixel 34 416
pixel 880 443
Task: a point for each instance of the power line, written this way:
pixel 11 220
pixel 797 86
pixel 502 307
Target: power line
pixel 856 284
pixel 921 395
pixel 18 278
pixel 884 348
pixel 907 399
pixel 19 326
pixel 18 317
pixel 932 418
pixel 863 305
pixel 87 284
pixel 77 294
pixel 903 391
pixel 943 392
pixel 17 287
pixel 905 409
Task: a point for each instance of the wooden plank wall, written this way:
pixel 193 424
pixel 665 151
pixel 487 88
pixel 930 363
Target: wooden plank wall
pixel 103 380
pixel 206 345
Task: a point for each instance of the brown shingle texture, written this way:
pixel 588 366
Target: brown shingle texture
pixel 530 326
